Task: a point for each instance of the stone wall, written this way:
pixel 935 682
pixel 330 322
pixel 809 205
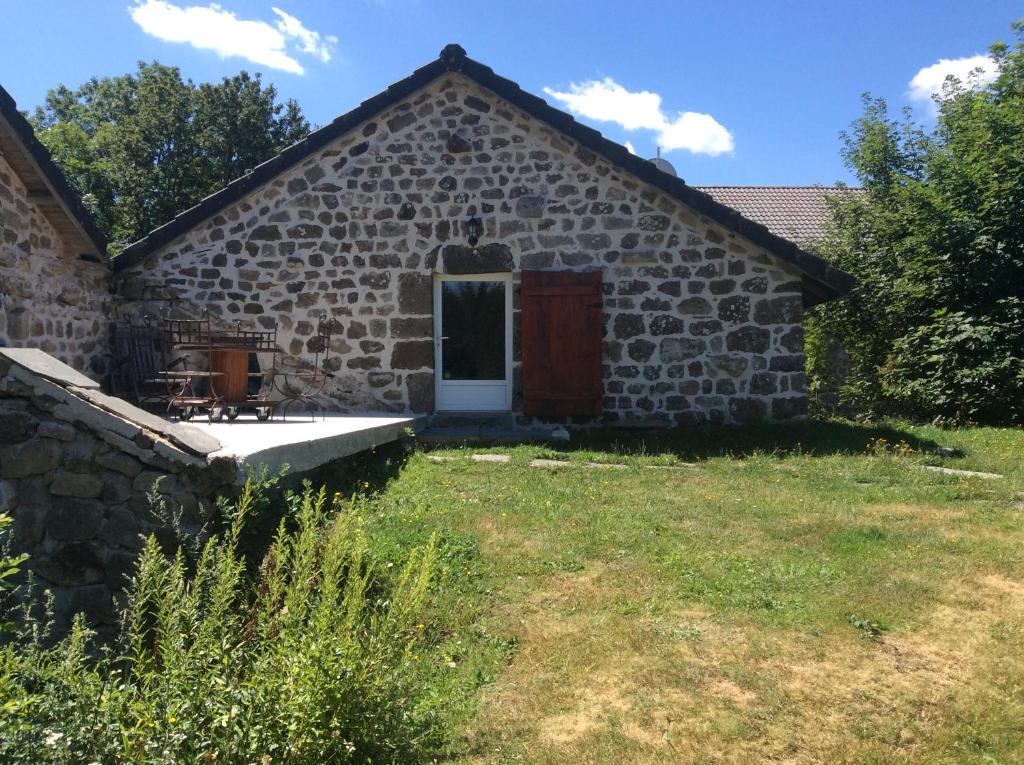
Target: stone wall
pixel 700 324
pixel 76 467
pixel 49 297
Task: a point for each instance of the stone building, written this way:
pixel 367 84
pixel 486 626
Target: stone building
pixel 54 270
pixel 484 251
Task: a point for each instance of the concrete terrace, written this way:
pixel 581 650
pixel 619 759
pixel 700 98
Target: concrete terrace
pixel 301 443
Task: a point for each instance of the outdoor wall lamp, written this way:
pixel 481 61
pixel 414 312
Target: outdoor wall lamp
pixel 474 228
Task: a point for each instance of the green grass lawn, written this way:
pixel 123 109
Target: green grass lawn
pixel 798 594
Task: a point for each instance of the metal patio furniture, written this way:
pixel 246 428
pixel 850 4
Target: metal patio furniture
pixel 304 386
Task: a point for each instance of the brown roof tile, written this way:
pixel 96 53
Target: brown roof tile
pixel 797 213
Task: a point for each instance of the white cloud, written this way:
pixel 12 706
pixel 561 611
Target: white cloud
pixel 290 26
pixel 607 101
pixel 213 28
pixel 928 82
pixel 629 147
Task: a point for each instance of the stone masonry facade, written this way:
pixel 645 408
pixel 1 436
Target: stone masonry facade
pixel 701 325
pixel 75 475
pixel 49 298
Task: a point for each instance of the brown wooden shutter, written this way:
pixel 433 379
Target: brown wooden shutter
pixel 561 342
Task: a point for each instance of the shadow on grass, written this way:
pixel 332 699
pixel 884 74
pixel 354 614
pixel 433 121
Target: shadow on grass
pixel 813 437
pixel 366 473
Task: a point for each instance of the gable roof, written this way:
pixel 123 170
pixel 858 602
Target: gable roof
pixel 47 187
pixel 821 280
pixel 798 213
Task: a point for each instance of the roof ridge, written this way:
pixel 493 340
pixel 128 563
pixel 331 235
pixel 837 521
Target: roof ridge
pixel 826 281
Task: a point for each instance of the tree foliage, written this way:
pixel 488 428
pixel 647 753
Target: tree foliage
pixel 936 241
pixel 142 147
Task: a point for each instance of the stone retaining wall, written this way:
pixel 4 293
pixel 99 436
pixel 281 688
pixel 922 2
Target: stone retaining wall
pixel 701 325
pixel 49 297
pixel 76 467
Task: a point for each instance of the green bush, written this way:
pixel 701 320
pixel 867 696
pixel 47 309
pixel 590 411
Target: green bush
pixel 317 657
pixel 960 368
pixel 10 567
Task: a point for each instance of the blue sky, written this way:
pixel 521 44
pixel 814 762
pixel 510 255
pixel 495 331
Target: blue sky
pixel 738 92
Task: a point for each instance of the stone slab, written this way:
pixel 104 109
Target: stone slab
pixel 301 444
pixel 504 459
pixel 188 437
pixel 77 410
pixel 43 364
pixel 80 400
pixel 501 458
pixel 961 473
pixel 540 463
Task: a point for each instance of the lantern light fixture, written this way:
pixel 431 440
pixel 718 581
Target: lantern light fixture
pixel 474 228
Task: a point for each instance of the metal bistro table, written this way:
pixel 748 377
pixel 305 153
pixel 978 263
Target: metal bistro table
pixel 227 353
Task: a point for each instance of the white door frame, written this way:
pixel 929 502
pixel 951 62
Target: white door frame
pixel 472 395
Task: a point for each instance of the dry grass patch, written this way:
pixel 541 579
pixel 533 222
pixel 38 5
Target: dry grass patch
pixel 502 539
pixel 718 690
pixel 902 511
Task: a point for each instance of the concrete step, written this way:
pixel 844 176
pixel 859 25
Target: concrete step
pixel 473 420
pixel 486 428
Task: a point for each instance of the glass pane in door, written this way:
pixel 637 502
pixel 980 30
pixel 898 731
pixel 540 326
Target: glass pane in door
pixel 473 330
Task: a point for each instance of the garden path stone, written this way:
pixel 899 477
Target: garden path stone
pixel 501 458
pixel 505 459
pixel 540 463
pixel 963 473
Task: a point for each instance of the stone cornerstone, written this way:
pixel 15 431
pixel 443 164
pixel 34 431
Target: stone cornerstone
pixel 701 325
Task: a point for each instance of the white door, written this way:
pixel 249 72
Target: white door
pixel 473 342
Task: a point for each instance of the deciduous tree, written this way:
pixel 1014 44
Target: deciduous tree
pixel 142 147
pixel 936 241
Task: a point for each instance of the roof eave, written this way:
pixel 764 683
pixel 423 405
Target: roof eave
pixel 42 162
pixel 831 283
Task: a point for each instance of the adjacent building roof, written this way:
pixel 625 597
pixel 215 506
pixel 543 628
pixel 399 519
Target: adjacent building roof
pixel 47 187
pixel 821 280
pixel 797 213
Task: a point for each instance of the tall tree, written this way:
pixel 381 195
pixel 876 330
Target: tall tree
pixel 935 326
pixel 142 147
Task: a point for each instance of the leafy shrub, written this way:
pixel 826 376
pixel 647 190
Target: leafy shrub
pixel 962 368
pixel 316 658
pixel 10 566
